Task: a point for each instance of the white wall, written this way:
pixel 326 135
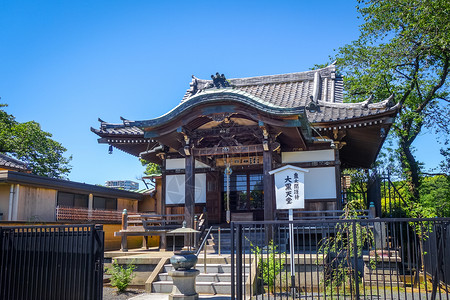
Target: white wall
pixel 175 190
pixel 180 163
pixel 320 183
pixel 307 156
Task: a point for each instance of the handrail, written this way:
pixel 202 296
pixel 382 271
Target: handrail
pixel 200 224
pixel 204 241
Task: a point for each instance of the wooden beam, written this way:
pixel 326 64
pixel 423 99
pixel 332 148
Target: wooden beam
pixel 302 139
pixel 232 149
pixel 227 150
pixel 218 131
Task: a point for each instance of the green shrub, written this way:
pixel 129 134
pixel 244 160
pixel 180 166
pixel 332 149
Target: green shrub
pixel 120 276
pixel 268 263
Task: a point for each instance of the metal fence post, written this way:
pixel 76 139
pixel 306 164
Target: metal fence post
pixel 239 262
pixel 99 263
pixel 355 253
pixel 233 265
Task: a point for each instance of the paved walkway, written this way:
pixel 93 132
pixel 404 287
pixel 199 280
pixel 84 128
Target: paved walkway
pixel 155 296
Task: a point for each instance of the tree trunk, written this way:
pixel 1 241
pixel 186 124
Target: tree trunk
pixel 411 169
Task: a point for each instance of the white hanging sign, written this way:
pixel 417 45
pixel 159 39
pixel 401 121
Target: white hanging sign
pixel 289 187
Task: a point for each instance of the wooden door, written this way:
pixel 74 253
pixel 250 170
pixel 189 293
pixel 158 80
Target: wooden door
pixel 213 197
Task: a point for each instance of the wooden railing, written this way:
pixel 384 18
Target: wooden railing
pixel 152 224
pixel 151 221
pixel 83 214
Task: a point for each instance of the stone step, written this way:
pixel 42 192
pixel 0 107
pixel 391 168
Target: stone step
pixel 210 268
pixel 385 283
pixel 202 277
pixel 201 287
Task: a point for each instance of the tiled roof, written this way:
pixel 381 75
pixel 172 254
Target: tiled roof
pixel 118 129
pixel 283 94
pixel 8 162
pixel 332 112
pixel 146 191
pixel 322 87
pixel 286 90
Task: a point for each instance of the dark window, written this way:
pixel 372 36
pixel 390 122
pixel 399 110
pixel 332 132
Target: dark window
pixel 246 191
pixel 105 203
pixel 72 200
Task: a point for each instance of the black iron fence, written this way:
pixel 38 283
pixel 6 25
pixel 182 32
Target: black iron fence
pixel 51 262
pixel 341 259
pixel 377 189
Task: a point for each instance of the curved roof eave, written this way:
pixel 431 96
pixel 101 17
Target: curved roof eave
pixel 215 96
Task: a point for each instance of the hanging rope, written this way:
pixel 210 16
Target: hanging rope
pixel 228 172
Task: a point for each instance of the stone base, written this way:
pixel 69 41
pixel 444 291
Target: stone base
pixel 183 297
pixel 184 284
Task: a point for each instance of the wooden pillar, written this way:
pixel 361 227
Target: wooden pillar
pixel 163 185
pixel 189 206
pixel 163 237
pixel 338 179
pixel 269 207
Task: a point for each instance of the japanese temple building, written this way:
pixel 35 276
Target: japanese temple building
pixel 227 134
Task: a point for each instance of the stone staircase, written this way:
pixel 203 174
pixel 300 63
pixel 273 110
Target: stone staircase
pixel 225 241
pixel 152 272
pixel 216 280
pixel 383 269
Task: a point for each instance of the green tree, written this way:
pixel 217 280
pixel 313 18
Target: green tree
pixel 151 168
pixel 403 50
pixel 445 164
pixel 29 143
pixel 435 195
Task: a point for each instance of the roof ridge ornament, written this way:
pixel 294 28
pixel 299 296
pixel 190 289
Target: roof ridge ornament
pixel 219 81
pixel 391 102
pixel 313 106
pixel 193 85
pixel 365 104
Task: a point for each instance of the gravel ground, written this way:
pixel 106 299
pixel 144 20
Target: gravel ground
pixel 110 293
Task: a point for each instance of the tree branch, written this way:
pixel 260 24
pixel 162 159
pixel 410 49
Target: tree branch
pixel 411 86
pixel 434 174
pixel 387 85
pixel 433 91
pixel 401 73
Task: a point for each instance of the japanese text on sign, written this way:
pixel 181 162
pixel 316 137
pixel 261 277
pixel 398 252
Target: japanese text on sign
pixel 289 187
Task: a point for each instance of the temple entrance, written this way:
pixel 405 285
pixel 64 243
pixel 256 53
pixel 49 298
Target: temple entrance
pixel 246 196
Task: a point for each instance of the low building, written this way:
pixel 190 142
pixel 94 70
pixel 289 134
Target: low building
pixel 28 197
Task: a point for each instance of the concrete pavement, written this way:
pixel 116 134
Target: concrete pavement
pixel 155 296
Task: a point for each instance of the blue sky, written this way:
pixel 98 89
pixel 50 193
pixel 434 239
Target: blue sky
pixel 66 63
